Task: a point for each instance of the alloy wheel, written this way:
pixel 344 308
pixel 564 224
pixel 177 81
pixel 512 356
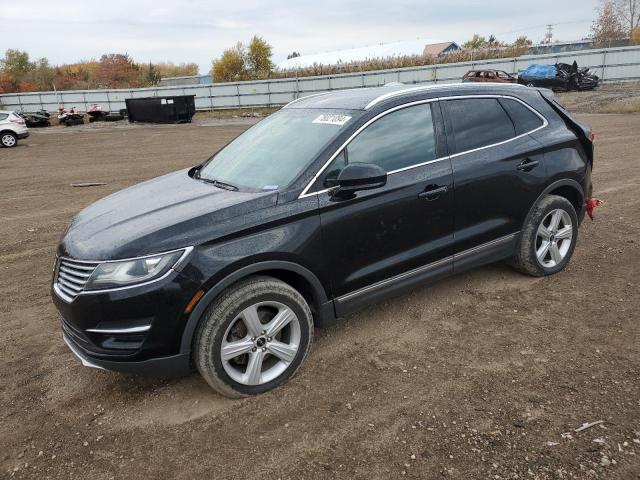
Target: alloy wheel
pixel 260 343
pixel 8 140
pixel 553 238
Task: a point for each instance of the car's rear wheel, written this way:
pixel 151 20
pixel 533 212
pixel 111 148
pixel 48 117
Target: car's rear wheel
pixel 253 337
pixel 8 139
pixel 548 238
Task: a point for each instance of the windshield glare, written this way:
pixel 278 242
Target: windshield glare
pixel 272 153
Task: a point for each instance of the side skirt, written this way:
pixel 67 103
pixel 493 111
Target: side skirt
pixel 489 252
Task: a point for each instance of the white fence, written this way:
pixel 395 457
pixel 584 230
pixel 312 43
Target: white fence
pixel 611 64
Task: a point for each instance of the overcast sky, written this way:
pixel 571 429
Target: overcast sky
pixel 199 30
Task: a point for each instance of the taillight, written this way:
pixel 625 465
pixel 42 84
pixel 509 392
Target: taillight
pixel 19 121
pixel 592 137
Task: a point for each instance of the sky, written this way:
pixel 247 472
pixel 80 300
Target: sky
pixel 198 31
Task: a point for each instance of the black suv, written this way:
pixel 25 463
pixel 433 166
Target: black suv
pixel 336 201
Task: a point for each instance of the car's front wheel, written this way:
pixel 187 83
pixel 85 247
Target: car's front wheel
pixel 253 337
pixel 8 139
pixel 548 238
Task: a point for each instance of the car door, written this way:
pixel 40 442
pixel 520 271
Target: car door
pixel 498 170
pixel 384 239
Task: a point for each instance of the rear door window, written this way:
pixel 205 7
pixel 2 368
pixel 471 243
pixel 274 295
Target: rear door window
pixel 477 122
pixel 523 118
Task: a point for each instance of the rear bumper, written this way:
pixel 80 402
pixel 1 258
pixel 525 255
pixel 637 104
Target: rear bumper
pixel 23 135
pixel 165 367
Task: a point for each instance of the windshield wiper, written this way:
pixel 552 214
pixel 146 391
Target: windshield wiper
pixel 217 183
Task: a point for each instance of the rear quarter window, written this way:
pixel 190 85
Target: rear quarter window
pixel 4 116
pixel 478 122
pixel 523 118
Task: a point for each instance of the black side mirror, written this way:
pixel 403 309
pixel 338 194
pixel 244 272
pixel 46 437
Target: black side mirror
pixel 360 176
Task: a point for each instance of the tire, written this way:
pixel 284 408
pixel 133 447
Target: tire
pixel 8 139
pixel 539 229
pixel 249 344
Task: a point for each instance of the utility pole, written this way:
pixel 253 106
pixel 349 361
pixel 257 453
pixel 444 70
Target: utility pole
pixel 549 35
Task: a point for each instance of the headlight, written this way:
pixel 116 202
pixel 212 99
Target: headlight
pixel 122 273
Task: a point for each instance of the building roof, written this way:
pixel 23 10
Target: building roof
pixel 435 49
pixel 366 98
pixel 383 50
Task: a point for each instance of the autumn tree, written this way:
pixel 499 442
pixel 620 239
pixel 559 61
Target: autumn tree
pixel 475 42
pixel 629 13
pixel 230 66
pixel 522 42
pixel 16 63
pixel 258 59
pixel 607 27
pixel 116 70
pixel 244 63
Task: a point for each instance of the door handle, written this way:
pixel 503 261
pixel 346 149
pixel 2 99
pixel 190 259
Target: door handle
pixel 527 165
pixel 433 193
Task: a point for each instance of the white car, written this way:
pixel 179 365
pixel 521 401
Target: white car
pixel 12 127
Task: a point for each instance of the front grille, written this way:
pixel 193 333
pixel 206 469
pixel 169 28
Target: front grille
pixel 71 277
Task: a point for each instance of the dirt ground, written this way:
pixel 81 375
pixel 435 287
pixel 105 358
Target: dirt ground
pixel 622 97
pixel 484 375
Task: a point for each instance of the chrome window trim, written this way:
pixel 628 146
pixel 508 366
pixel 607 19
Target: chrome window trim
pixel 305 193
pixel 542 117
pixel 183 257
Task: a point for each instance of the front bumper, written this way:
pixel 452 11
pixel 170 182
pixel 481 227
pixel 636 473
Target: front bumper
pixel 136 330
pixel 165 367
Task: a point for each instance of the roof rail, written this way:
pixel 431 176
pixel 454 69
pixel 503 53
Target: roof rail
pixel 404 91
pixel 306 96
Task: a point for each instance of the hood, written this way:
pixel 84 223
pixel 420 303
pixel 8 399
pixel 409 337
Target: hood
pixel 168 212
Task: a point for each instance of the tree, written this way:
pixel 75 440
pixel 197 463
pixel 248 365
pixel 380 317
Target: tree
pixel 116 70
pixel 522 42
pixel 607 27
pixel 293 55
pixel 258 58
pixel 42 75
pixel 475 43
pixel 230 66
pixel 16 63
pixel 629 13
pixel 635 36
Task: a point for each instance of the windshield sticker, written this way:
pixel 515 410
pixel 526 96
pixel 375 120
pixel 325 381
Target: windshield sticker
pixel 270 187
pixel 332 119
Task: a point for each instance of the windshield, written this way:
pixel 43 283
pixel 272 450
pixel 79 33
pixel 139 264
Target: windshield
pixel 272 153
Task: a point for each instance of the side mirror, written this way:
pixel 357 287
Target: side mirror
pixel 360 176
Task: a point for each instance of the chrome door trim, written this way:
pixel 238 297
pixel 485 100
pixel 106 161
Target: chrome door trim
pixel 431 266
pixel 485 246
pixel 402 276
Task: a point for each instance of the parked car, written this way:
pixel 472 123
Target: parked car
pixel 561 76
pixel 12 128
pixel 334 202
pixel 495 76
